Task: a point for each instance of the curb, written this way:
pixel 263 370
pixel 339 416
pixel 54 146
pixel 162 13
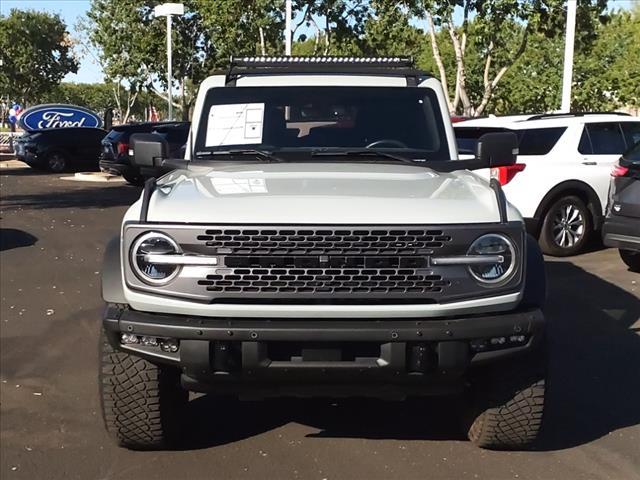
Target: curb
pixel 13 164
pixel 94 177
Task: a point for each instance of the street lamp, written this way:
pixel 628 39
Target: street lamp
pixel 569 39
pixel 287 28
pixel 168 10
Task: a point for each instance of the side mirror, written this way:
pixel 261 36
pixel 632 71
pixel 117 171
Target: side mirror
pixel 498 149
pixel 149 149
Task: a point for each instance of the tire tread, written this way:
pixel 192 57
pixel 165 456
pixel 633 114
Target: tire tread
pixel 136 397
pixel 509 416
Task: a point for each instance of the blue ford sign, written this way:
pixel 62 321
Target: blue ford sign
pixel 58 116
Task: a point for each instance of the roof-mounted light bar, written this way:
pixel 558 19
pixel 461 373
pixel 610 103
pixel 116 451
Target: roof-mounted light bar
pixel 292 60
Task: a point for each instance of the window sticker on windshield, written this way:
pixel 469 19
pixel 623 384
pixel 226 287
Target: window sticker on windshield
pixel 235 124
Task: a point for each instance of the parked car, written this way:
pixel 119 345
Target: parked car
pixel 312 256
pixel 622 225
pixel 114 158
pixel 60 149
pixel 561 180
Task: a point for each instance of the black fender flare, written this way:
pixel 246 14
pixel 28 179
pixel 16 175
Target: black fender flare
pixel 572 187
pixel 535 277
pixel 111 277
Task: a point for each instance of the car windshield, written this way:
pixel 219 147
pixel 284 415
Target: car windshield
pixel 405 120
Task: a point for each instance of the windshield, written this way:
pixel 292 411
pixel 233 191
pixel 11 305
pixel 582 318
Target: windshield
pixel 308 119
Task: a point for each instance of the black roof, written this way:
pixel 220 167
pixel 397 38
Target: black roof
pixel 146 126
pixel 269 65
pixel 573 114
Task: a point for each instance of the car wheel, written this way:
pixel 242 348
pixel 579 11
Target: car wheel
pixel 142 403
pixel 566 228
pixel 507 404
pixel 56 162
pixel 631 259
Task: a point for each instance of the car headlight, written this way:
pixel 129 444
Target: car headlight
pixel 501 259
pixel 154 243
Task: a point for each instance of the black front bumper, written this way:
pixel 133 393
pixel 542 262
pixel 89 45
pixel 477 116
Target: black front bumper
pixel 352 357
pixel 621 232
pixel 115 167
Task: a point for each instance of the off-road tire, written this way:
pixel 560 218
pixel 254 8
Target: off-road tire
pixel 142 403
pixel 547 242
pixel 508 404
pixel 631 259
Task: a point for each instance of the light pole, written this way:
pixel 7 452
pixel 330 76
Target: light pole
pixel 569 40
pixel 287 28
pixel 168 10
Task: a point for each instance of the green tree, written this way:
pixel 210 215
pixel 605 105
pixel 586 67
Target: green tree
pixel 35 53
pixel 388 31
pixel 131 41
pixel 124 38
pixel 95 96
pixel 606 72
pixel 338 25
pixel 606 66
pixel 501 31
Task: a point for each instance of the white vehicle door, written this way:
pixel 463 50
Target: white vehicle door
pixel 600 147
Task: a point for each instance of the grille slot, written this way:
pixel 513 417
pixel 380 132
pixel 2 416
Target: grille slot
pixel 324 281
pixel 367 242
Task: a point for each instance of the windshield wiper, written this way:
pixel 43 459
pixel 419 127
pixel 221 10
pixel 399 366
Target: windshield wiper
pixel 367 152
pixel 263 154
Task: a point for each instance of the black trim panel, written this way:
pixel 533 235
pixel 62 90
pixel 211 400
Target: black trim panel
pixel 111 277
pixel 397 330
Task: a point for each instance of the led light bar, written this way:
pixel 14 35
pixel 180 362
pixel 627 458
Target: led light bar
pixel 288 60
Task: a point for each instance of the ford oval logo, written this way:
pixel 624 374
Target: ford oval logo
pixel 42 117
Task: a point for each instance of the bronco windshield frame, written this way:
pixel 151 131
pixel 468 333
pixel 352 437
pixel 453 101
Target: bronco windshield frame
pixel 306 119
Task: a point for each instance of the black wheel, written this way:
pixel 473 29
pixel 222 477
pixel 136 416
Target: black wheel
pixel 566 228
pixel 508 404
pixel 134 179
pixel 56 162
pixel 631 259
pixel 142 403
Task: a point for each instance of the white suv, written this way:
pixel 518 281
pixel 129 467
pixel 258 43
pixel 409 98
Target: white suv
pixel 561 180
pixel 321 237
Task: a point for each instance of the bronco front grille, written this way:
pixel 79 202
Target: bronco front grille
pixel 341 241
pixel 324 263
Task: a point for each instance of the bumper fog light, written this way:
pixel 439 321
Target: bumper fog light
pixel 170 345
pixel 478 345
pixel 149 341
pixel 128 338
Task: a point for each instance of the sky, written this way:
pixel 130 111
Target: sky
pixel 71 10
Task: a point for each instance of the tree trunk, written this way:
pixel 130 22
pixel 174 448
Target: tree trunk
pixel 437 57
pixel 263 50
pixel 490 85
pixel 461 87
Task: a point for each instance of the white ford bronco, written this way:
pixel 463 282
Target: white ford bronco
pixel 321 237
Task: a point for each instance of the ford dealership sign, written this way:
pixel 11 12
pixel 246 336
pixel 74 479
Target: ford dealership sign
pixel 58 116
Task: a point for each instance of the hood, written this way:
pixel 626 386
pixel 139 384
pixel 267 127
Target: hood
pixel 322 193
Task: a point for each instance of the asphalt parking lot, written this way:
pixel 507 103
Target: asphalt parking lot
pixel 53 235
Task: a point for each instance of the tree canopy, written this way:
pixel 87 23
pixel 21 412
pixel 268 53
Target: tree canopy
pixel 36 53
pixel 502 56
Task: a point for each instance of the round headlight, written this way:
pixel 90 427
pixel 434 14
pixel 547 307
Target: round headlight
pixel 502 250
pixel 154 243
